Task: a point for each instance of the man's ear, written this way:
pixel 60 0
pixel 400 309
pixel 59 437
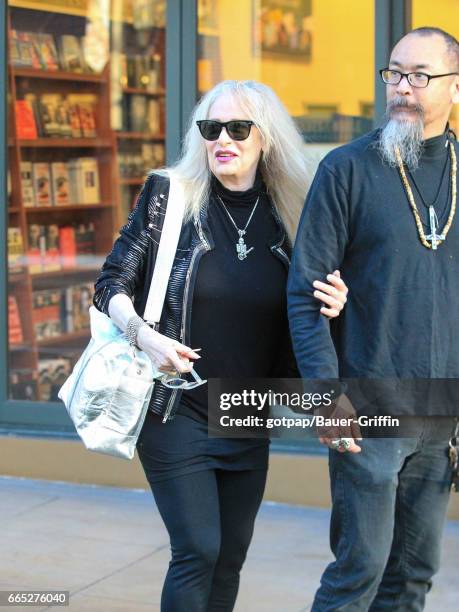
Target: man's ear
pixel 455 96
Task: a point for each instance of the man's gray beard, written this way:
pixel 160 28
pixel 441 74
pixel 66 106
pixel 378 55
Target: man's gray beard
pixel 407 136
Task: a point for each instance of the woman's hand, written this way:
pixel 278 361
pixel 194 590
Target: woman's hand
pixel 166 355
pixel 333 294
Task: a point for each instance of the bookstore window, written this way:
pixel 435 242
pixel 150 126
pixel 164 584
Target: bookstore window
pixel 323 72
pixel 86 121
pixel 442 14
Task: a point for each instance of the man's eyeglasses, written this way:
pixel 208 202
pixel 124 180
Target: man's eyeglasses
pixel 416 79
pixel 173 381
pixel 237 129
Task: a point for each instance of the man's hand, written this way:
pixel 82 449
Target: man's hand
pixel 341 409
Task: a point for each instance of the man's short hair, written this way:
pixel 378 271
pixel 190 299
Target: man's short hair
pixel 452 44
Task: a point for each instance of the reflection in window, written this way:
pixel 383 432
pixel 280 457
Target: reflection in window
pixel 286 44
pixel 86 121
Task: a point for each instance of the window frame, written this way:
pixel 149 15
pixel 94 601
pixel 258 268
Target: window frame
pixel 44 419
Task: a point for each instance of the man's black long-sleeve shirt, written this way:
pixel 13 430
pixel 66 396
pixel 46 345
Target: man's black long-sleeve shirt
pixel 402 315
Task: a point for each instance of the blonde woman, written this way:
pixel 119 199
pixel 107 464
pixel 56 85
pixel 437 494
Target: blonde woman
pixel 245 178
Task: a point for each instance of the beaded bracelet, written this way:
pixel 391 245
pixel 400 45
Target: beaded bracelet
pixel 132 329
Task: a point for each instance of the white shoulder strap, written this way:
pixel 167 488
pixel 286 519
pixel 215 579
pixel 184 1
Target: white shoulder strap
pixel 166 251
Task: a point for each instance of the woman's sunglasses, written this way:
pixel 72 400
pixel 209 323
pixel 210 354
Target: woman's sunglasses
pixel 174 381
pixel 236 129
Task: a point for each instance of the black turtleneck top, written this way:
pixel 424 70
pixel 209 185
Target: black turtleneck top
pixel 402 315
pixel 239 311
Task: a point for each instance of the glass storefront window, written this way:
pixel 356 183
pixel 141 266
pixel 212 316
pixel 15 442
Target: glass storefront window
pixel 442 14
pixel 321 70
pixel 86 93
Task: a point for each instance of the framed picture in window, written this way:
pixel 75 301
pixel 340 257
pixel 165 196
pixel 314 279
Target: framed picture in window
pixel 283 29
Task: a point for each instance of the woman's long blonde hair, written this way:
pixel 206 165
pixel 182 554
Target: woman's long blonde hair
pixel 283 164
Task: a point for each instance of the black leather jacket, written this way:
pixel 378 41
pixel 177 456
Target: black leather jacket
pixel 129 267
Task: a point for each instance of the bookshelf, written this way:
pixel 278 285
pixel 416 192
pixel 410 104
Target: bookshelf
pixel 80 143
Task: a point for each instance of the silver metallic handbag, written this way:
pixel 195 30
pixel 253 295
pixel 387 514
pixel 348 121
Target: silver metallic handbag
pixel 109 390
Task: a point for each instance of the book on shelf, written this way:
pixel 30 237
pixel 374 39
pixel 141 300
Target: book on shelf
pixel 75 123
pixel 15 249
pixel 63 118
pixel 154 117
pixel 56 312
pixel 141 68
pixel 87 119
pixel 41 183
pixel 43 254
pixel 34 248
pixel 130 72
pixel 95 50
pixel 84 180
pixel 39 50
pixel 15 55
pixel 23 384
pixel 70 53
pixel 46 46
pixel 28 51
pixel 77 300
pixel 27 192
pixel 15 333
pixel 33 50
pixel 142 71
pixel 85 240
pixel 53 248
pixel 154 72
pixel 35 105
pixel 145 114
pixel 53 116
pixel 137 164
pixel 85 104
pixel 52 374
pixel 21 50
pixel 60 183
pixel 26 126
pixel 138 112
pixel 46 313
pixel 67 244
pixel 51 258
pixel 120 67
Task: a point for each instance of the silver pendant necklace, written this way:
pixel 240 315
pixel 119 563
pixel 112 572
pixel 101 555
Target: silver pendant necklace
pixel 241 247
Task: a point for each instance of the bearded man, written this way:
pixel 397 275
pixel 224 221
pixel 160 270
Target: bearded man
pixel 382 210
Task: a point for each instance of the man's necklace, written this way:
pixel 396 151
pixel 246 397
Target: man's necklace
pixel 443 173
pixel 434 238
pixel 241 247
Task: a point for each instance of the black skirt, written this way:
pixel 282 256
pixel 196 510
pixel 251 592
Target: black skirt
pixel 182 446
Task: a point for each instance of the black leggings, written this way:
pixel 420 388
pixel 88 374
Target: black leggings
pixel 210 517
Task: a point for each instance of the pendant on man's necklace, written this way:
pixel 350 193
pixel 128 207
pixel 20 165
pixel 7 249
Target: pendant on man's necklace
pixel 241 247
pixel 434 238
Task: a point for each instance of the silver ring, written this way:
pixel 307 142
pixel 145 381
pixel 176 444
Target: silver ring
pixel 341 443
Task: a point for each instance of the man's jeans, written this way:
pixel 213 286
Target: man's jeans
pixel 389 506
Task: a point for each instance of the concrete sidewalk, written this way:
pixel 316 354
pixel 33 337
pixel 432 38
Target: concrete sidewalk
pixel 109 548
